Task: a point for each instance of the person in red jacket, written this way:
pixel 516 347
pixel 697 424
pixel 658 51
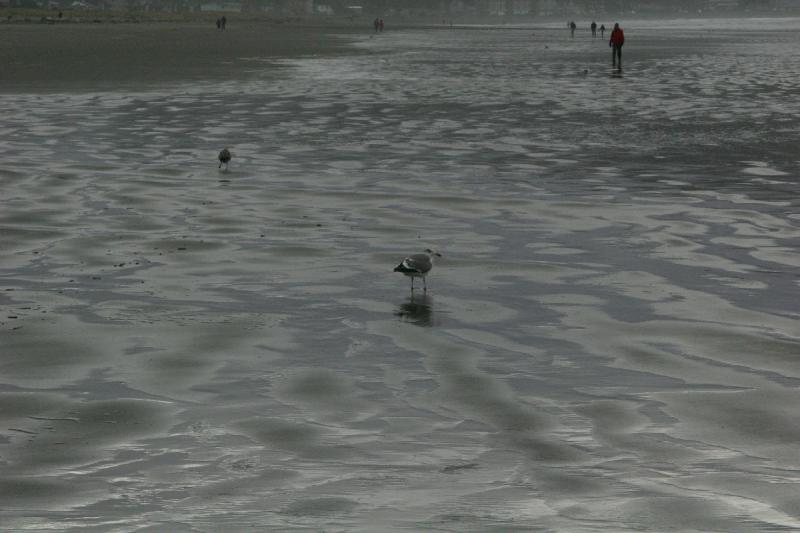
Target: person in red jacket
pixel 616 42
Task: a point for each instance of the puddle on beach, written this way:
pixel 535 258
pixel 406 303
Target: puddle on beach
pixel 610 339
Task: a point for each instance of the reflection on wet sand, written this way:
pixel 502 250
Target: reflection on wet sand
pixel 418 309
pixel 613 344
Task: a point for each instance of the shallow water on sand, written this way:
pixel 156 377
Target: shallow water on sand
pixel 609 342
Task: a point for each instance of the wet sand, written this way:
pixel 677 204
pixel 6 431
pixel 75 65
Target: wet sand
pixel 87 56
pixel 609 342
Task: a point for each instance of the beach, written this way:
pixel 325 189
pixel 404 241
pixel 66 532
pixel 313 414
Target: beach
pixel 609 341
pixel 97 56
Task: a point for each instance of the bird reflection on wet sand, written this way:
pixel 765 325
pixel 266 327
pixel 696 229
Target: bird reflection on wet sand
pixel 417 309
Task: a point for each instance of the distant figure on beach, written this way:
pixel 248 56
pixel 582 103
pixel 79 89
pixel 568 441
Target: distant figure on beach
pixel 380 25
pixel 219 24
pixel 594 29
pixel 376 23
pixel 223 21
pixel 615 42
pixel 224 158
pixel 602 30
pixel 572 27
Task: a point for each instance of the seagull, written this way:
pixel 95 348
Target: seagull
pixel 224 158
pixel 418 266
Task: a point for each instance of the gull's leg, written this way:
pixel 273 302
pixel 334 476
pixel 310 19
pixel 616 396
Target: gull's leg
pixel 424 284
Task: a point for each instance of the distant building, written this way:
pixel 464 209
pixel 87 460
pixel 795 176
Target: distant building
pixel 785 5
pixel 230 7
pixel 723 5
pixel 497 7
pixel 521 7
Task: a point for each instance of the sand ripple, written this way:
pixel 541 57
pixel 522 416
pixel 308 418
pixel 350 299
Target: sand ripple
pixel 609 342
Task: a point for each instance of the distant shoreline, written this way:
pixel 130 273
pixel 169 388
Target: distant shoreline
pixel 363 22
pixel 71 16
pixel 17 15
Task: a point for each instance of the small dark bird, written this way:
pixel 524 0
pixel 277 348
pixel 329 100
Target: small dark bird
pixel 418 266
pixel 224 158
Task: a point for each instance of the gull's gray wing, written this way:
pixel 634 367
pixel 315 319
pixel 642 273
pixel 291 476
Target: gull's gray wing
pixel 418 262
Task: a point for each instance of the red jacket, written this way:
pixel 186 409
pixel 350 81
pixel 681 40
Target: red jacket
pixel 617 37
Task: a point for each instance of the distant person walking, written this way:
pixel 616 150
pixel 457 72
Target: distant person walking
pixel 594 29
pixel 602 30
pixel 376 23
pixel 572 27
pixel 380 25
pixel 616 42
pixel 223 21
pixel 219 24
